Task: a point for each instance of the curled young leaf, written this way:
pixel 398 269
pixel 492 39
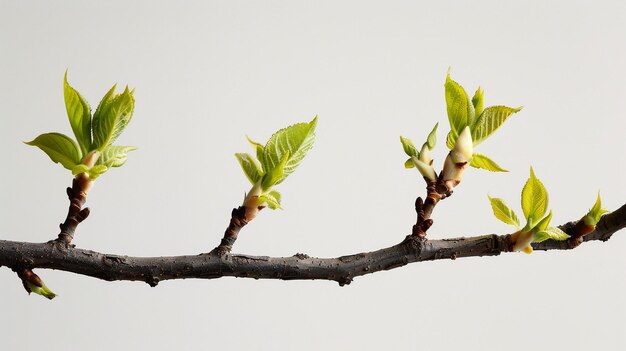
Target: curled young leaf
pixel 408 147
pixel 251 167
pixel 272 198
pixel 593 216
pixel 478 101
pixel 431 140
pixel 114 156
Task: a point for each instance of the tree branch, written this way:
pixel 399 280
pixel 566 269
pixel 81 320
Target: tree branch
pixel 152 270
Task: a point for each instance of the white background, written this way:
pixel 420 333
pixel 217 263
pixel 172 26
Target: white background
pixel 207 73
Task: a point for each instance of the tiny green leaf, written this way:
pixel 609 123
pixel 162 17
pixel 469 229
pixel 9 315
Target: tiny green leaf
pixel 478 101
pixel 294 141
pixel 251 167
pixel 484 162
pixel 543 224
pixel 593 216
pixel 79 114
pixel 114 156
pixel 459 107
pixel 275 175
pixel 550 233
pixel 272 199
pixel 409 163
pixel 42 290
pixel 503 212
pixel 111 117
pixel 60 148
pixel 408 146
pixel 432 138
pixel 451 140
pixel 96 171
pixel 490 120
pixel 81 168
pixel 258 148
pixel 534 199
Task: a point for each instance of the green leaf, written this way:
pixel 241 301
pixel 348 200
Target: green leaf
pixel 42 290
pixel 490 120
pixel 459 107
pixel 478 101
pixel 60 148
pixel 79 114
pixel 432 138
pixel 272 199
pixel 251 167
pixel 111 117
pixel 550 233
pixel 96 171
pixel 408 146
pixel 258 148
pixel 484 162
pixel 451 140
pixel 534 199
pixel 503 212
pixel 114 156
pixel 275 175
pixel 294 141
pixel 409 163
pixel 593 216
pixel 543 224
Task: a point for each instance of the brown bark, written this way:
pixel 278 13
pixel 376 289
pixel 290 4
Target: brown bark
pixel 300 266
pixel 77 195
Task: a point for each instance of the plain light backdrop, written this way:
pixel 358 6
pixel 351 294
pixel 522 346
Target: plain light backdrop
pixel 207 73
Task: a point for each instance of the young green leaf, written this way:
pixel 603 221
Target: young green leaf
pixel 543 224
pixel 451 139
pixel 79 114
pixel 550 233
pixel 272 199
pixel 111 117
pixel 478 101
pixel 60 148
pixel 96 171
pixel 408 146
pixel 409 163
pixel 294 141
pixel 484 162
pixel 534 199
pixel 503 212
pixel 459 107
pixel 490 120
pixel 593 216
pixel 251 167
pixel 432 138
pixel 114 156
pixel 276 174
pixel 258 148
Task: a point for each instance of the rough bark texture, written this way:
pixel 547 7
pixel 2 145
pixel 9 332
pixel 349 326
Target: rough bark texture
pixel 151 270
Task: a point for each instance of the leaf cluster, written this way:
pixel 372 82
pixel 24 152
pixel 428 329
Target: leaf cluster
pixel 483 122
pixel 534 206
pixel 92 151
pixel 277 159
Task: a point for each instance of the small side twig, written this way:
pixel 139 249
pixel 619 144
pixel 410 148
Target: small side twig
pixel 77 195
pixel 436 191
pixel 237 221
